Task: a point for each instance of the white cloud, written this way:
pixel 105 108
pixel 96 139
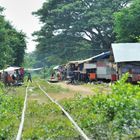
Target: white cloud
pixel 19 12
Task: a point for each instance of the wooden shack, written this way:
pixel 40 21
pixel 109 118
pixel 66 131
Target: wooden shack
pixel 96 67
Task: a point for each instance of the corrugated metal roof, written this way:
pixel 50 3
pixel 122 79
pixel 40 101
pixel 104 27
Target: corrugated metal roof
pixel 99 56
pixel 126 52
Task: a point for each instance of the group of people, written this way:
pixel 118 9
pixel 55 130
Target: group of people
pixel 59 74
pixel 15 78
pixel 72 75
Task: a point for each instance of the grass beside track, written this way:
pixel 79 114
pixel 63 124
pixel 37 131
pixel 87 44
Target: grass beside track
pixel 11 103
pixel 43 119
pixel 111 113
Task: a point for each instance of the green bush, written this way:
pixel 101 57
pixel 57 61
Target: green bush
pixel 10 112
pixel 109 116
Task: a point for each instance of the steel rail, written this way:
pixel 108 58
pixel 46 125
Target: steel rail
pixel 67 114
pixel 19 134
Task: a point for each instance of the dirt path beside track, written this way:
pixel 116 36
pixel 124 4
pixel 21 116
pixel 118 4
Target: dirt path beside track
pixel 73 90
pixel 77 88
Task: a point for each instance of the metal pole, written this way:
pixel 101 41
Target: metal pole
pixel 44 72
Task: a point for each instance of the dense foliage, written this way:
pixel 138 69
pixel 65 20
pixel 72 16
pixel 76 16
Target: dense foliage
pixel 75 29
pixel 127 23
pixel 12 43
pixel 10 113
pixel 29 60
pixel 109 116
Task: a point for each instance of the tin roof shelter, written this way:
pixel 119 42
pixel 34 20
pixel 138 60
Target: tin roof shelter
pixel 126 52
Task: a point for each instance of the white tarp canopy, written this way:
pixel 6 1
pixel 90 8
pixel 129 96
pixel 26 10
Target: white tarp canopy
pixel 126 52
pixel 11 70
pixel 36 69
pixel 56 67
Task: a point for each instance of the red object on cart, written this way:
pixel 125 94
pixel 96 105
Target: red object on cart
pixel 113 77
pixel 92 76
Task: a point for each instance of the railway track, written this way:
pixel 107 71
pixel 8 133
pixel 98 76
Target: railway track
pixel 45 96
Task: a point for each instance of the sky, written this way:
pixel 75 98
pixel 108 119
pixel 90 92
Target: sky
pixel 19 13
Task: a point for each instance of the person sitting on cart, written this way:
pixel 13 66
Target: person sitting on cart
pixel 58 74
pixel 53 75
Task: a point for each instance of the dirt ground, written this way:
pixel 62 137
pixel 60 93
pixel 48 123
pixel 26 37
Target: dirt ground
pixel 73 90
pixel 70 91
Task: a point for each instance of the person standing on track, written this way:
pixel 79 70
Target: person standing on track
pixel 29 77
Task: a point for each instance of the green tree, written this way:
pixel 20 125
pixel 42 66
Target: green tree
pixel 127 23
pixel 76 28
pixel 12 43
pixel 29 60
pixel 5 50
